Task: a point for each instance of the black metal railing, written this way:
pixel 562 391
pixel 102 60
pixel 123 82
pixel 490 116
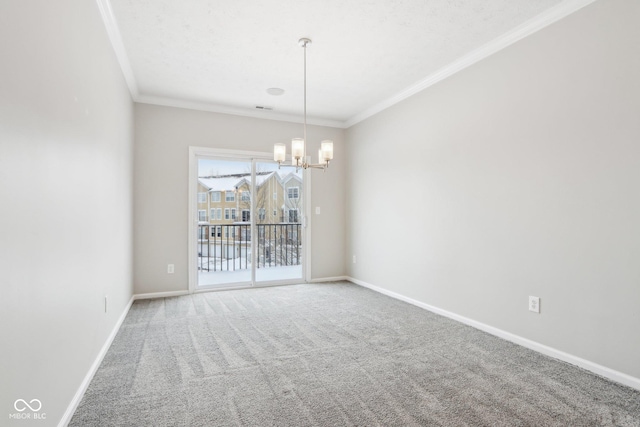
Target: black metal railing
pixel 227 247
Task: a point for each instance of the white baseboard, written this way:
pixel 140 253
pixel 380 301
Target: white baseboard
pixel 603 371
pixel 71 409
pixel 160 295
pixel 329 279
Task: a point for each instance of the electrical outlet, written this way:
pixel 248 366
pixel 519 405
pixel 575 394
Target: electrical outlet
pixel 354 259
pixel 170 269
pixel 534 304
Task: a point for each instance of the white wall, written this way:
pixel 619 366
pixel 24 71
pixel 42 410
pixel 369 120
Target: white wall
pixel 66 137
pixel 163 136
pixel 517 176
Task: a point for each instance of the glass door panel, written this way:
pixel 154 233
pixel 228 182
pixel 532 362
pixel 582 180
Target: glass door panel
pixel 224 224
pixel 278 223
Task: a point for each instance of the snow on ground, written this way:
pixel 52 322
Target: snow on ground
pixel 239 270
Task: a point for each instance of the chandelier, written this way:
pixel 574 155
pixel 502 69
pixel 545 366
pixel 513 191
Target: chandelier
pixel 298 145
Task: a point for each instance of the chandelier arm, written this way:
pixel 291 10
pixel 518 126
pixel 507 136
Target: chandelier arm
pixel 304 165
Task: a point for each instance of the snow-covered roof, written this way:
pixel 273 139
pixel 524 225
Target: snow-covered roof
pixel 231 182
pixel 227 183
pixel 260 179
pixel 290 176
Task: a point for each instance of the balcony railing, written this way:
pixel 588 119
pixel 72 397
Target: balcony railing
pixel 228 247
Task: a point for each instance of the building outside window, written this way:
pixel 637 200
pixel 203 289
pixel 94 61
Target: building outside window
pixel 262 214
pixel 245 196
pixel 227 213
pixel 246 215
pixel 229 196
pixel 233 214
pixel 202 197
pixel 202 215
pixel 293 215
pixel 215 196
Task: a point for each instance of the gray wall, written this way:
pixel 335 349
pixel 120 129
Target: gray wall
pixel 517 176
pixel 66 138
pixel 163 136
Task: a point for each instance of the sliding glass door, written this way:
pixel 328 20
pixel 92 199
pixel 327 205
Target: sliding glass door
pixel 249 222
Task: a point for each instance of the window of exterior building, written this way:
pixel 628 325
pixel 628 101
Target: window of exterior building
pixel 293 215
pixel 219 213
pixel 202 215
pixel 233 214
pixel 212 214
pixel 215 196
pixel 246 215
pixel 275 212
pixel 245 196
pixel 216 231
pixel 292 193
pixel 261 214
pixel 202 197
pixel 227 213
pixel 229 196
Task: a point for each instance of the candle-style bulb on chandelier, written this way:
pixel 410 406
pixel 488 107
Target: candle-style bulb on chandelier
pixel 298 145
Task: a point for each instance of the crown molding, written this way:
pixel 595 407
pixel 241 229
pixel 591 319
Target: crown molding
pixel 113 32
pixel 236 111
pixel 529 27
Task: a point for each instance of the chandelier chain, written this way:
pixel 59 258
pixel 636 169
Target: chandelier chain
pixel 305 102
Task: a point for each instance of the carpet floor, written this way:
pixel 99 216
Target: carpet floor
pixel 331 355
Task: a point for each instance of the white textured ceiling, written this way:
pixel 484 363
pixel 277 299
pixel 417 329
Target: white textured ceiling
pixel 222 55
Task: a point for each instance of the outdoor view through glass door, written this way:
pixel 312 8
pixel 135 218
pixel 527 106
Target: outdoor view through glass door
pixel 249 223
pixel 278 223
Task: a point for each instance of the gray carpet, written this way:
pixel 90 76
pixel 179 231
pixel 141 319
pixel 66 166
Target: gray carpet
pixel 331 355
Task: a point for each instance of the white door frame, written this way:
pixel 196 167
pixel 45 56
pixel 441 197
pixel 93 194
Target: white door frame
pixel 250 156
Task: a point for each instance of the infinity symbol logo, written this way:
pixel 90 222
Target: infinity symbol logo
pixel 35 408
